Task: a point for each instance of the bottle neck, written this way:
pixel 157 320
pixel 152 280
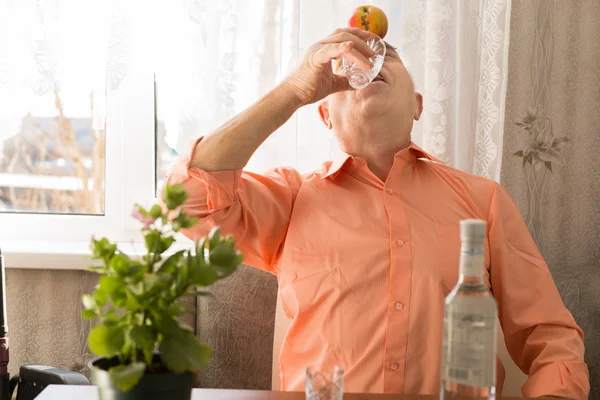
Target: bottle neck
pixel 471 261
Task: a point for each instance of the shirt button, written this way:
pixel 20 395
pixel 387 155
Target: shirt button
pixel 399 242
pixel 394 366
pixel 399 306
pixel 389 191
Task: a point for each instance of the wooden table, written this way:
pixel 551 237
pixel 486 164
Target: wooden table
pixel 66 392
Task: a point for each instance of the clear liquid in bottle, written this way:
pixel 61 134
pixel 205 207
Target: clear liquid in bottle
pixel 470 324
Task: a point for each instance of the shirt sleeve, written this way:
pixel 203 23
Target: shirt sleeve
pixel 540 333
pixel 254 208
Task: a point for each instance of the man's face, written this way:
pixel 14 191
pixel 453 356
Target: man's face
pixel 392 93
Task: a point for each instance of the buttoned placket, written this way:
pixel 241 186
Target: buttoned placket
pixel 399 280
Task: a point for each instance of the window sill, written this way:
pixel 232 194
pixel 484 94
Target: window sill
pixel 65 255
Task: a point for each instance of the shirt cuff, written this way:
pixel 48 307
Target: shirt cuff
pixel 220 187
pixel 568 380
pixel 215 189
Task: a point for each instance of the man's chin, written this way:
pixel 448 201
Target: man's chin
pixel 372 102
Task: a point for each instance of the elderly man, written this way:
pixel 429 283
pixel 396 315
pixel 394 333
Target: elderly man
pixel 367 247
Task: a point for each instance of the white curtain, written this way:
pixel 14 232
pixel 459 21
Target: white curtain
pixel 213 59
pixel 68 46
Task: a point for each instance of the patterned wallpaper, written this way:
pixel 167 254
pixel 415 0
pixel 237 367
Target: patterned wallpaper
pixel 551 163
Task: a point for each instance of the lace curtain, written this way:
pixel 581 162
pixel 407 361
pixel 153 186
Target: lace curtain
pixel 213 59
pixel 69 47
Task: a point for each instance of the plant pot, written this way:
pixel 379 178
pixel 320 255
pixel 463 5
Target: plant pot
pixel 158 385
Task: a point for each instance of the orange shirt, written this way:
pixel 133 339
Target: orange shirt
pixel 364 267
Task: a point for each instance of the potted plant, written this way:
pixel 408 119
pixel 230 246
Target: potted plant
pixel 144 350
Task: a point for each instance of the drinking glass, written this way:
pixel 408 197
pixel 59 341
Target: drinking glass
pixel 360 78
pixel 324 383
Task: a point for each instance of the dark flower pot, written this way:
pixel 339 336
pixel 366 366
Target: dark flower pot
pixel 153 385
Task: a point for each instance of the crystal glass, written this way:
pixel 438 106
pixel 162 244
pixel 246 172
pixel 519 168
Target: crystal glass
pixel 360 78
pixel 324 383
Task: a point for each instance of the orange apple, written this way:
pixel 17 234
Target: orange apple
pixel 370 19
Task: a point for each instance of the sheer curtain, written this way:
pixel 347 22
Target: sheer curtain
pixel 213 59
pixel 74 48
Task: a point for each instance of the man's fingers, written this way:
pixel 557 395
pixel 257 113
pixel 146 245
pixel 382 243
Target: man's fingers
pixel 364 35
pixel 359 44
pixel 331 51
pixel 344 50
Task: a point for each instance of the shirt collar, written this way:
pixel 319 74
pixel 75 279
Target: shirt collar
pixel 343 157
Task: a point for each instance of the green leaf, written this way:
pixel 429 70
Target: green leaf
pixel 100 297
pixel 110 319
pixel 184 352
pixel 166 242
pixel 120 301
pixel 99 269
pixel 120 264
pixel 182 280
pixel 88 314
pixel 214 237
pixel 224 270
pixel 148 355
pixel 203 275
pixel 177 308
pixel 150 281
pixel 223 254
pixel 103 249
pixel 136 270
pixel 174 196
pixel 200 247
pixel 110 285
pixel 89 301
pixel 143 337
pixel 171 263
pixel 106 340
pixel 157 244
pixel 127 376
pixel 166 324
pixel 137 288
pixel 131 303
pixel 156 211
pixel 183 221
pixel 152 241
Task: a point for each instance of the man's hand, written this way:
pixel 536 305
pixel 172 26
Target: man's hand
pixel 316 78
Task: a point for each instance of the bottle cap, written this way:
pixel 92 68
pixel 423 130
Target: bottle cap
pixel 473 229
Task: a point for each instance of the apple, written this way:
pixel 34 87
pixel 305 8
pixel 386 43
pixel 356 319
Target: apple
pixel 370 19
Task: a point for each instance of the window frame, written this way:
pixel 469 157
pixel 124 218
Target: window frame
pixel 36 239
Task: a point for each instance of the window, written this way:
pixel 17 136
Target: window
pixel 96 103
pixel 52 108
pixel 68 98
pixel 52 154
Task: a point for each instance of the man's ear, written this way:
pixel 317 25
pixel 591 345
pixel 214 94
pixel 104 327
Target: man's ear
pixel 419 105
pixel 324 114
